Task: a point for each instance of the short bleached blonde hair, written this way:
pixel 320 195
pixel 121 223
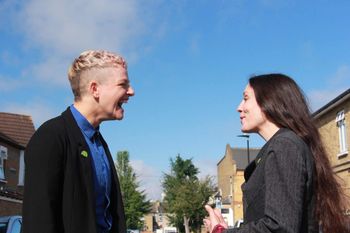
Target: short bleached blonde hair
pixel 91 60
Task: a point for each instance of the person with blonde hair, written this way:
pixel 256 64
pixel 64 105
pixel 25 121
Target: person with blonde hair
pixel 71 184
pixel 290 187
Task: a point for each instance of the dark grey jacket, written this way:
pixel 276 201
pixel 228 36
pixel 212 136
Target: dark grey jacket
pixel 278 195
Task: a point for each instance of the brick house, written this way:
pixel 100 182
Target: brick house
pixel 333 120
pixel 157 220
pixel 230 175
pixel 15 132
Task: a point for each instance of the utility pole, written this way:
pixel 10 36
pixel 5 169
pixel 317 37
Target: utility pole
pixel 247 137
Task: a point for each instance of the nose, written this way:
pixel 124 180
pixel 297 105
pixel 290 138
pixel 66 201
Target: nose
pixel 240 107
pixel 130 91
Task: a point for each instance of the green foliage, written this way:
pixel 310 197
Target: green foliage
pixel 185 194
pixel 135 203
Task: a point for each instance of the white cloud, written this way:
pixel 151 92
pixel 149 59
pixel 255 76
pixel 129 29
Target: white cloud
pixel 341 76
pixel 206 167
pixel 149 178
pixel 51 71
pixel 39 111
pixel 67 27
pixel 319 98
pixel 60 30
pixel 337 83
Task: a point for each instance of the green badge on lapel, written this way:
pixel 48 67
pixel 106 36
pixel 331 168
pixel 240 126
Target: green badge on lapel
pixel 84 153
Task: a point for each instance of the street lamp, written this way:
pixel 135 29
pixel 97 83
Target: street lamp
pixel 247 137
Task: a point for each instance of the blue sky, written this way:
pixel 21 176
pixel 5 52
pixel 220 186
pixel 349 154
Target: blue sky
pixel 189 62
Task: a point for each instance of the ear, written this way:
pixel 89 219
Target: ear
pixel 94 89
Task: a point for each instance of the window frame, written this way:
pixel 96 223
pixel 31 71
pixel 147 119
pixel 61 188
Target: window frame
pixel 3 156
pixel 341 125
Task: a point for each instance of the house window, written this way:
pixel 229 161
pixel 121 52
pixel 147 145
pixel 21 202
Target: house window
pixel 3 156
pixel 340 120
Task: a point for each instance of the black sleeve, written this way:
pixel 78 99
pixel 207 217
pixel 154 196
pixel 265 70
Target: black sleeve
pixel 42 204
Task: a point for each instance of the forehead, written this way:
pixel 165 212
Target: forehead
pixel 248 90
pixel 116 74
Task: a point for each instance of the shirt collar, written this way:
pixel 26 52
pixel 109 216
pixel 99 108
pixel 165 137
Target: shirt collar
pixel 83 123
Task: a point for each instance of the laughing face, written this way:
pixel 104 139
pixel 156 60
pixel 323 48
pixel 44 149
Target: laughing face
pixel 114 93
pixel 252 118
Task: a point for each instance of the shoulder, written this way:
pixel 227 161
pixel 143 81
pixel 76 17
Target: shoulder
pixel 288 148
pixel 287 139
pixel 56 125
pixel 54 129
pixel 52 126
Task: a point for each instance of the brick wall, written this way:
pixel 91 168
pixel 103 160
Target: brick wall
pixel 238 195
pixel 12 168
pixel 330 138
pixel 231 178
pixel 8 207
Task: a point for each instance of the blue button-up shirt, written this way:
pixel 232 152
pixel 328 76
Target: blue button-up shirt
pixel 100 169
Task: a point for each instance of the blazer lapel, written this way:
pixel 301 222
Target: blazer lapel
pixel 83 153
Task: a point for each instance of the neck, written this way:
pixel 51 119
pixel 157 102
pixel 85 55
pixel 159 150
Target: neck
pixel 268 130
pixel 88 113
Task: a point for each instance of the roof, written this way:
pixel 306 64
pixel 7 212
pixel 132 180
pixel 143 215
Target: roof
pixel 10 141
pixel 333 103
pixel 19 128
pixel 240 155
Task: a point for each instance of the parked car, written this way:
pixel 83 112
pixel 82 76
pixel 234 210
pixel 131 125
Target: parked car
pixel 129 231
pixel 10 224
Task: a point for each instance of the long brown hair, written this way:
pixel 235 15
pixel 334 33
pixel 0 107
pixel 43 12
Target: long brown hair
pixel 284 104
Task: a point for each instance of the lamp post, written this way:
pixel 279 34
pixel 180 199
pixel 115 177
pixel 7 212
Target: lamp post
pixel 247 137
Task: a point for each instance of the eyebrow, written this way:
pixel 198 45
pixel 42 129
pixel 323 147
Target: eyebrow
pixel 123 81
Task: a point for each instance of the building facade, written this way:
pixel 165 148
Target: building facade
pixel 230 175
pixel 157 220
pixel 15 132
pixel 333 120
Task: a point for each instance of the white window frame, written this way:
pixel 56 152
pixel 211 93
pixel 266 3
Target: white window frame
pixel 3 156
pixel 21 169
pixel 340 121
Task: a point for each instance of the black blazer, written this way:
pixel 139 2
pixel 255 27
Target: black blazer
pixel 58 191
pixel 278 195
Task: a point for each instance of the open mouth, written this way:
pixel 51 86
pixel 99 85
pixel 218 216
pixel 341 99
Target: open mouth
pixel 120 103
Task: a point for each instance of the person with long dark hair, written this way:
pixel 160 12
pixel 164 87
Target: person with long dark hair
pixel 290 187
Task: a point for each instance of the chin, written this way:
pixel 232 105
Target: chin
pixel 244 130
pixel 118 115
pixel 118 118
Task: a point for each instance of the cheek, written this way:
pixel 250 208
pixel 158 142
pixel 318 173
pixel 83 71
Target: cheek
pixel 259 118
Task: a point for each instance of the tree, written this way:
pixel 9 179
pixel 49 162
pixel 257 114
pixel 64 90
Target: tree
pixel 135 203
pixel 186 195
